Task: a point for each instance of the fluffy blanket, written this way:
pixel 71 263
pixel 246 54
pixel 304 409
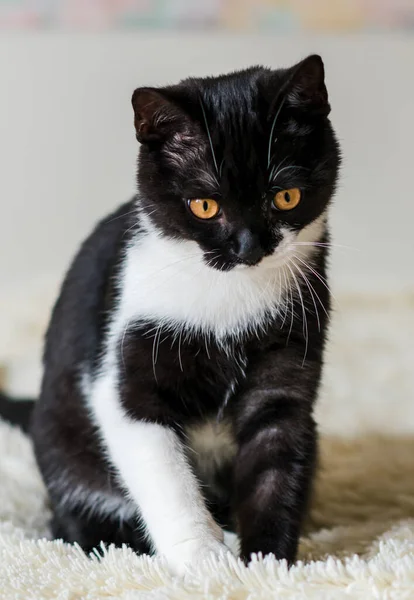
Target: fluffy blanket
pixel 359 538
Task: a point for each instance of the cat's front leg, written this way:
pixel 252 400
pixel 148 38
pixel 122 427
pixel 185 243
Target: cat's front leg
pixel 153 469
pixel 277 447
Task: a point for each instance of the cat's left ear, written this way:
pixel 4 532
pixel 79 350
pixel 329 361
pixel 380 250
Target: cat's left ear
pixel 156 117
pixel 305 88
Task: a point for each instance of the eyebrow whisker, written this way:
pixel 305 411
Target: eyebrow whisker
pixel 272 130
pixel 221 167
pixel 289 167
pixel 209 134
pixel 275 168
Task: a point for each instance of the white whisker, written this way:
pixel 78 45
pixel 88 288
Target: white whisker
pixel 209 134
pixel 275 168
pixel 309 284
pixel 207 350
pixel 131 212
pixel 319 276
pixel 324 245
pixel 311 290
pixel 304 319
pixel 272 130
pixel 221 167
pixel 130 228
pixel 288 167
pixel 155 347
pixel 122 344
pixel 283 272
pixel 292 305
pixel 154 210
pixel 179 351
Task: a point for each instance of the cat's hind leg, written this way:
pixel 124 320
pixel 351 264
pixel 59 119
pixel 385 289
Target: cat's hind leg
pixel 89 530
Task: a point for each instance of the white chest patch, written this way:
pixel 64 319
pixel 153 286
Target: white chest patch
pixel 167 281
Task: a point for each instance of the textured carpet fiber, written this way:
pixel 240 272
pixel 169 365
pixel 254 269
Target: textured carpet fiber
pixel 359 539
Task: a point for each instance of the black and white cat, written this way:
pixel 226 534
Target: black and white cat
pixel 184 353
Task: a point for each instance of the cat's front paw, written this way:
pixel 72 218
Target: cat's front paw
pixel 189 555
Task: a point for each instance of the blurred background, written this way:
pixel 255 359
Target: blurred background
pixel 67 147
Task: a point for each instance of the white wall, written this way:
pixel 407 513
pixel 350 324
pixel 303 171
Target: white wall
pixel 67 146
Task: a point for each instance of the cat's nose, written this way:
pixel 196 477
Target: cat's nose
pixel 246 246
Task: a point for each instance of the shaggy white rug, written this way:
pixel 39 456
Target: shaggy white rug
pixel 359 539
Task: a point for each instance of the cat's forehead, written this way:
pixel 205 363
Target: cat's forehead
pixel 234 120
pixel 235 102
pixel 236 130
pixel 231 94
pixel 235 111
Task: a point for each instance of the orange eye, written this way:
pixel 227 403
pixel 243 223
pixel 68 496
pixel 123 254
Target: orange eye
pixel 204 208
pixel 287 199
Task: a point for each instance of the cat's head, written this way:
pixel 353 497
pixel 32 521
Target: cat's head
pixel 242 164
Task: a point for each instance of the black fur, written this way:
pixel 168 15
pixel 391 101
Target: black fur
pixel 16 412
pixel 263 493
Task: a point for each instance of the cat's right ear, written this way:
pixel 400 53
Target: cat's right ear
pixel 155 115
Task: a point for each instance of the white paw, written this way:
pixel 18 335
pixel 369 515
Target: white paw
pixel 189 555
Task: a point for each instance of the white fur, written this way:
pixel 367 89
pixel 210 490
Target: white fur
pixel 168 282
pixel 367 394
pixel 156 475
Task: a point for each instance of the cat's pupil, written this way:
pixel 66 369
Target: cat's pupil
pixel 287 196
pixel 205 206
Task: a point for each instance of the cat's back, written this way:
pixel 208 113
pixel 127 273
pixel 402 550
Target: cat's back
pixel 87 294
pixel 64 436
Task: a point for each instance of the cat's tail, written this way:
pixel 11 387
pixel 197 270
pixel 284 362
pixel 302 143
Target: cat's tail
pixel 17 412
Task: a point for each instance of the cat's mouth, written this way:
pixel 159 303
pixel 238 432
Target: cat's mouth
pixel 237 264
pixel 247 264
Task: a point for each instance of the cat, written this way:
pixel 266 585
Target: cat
pixel 185 350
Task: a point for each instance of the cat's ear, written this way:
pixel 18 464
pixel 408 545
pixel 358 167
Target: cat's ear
pixel 156 117
pixel 305 88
